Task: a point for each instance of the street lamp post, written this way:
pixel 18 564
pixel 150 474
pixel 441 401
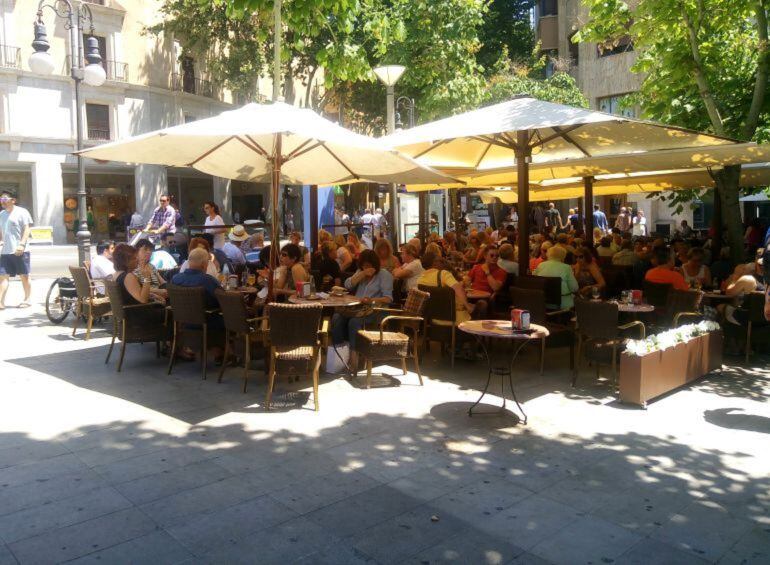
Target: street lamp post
pixel 92 73
pixel 389 76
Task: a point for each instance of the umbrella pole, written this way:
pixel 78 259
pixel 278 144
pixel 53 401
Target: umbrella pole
pixel 588 208
pixel 275 238
pixel 523 154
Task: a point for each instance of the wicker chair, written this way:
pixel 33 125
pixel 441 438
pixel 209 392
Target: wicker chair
pixel 551 287
pixel 559 335
pixel 246 333
pixel 441 317
pixel 656 294
pixel 88 303
pixel 188 307
pixel 134 323
pixel 295 343
pixel 385 346
pixel 682 304
pixel 597 325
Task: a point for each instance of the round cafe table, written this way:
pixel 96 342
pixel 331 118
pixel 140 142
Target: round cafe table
pixel 635 308
pixel 329 302
pixel 502 367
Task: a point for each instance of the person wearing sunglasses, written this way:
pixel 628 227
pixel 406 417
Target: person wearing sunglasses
pixel 15 223
pixel 163 217
pixel 487 276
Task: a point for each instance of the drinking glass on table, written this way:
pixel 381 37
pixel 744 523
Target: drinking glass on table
pixel 595 292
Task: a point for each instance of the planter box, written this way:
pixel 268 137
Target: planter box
pixel 647 377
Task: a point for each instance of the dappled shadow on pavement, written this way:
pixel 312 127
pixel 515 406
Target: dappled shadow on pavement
pixel 374 489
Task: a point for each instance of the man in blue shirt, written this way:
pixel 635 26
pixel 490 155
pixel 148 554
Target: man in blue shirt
pixel 600 220
pixel 195 276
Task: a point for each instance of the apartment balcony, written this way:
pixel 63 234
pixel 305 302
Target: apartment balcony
pixel 548 32
pixel 192 85
pixel 98 133
pixel 116 71
pixel 10 57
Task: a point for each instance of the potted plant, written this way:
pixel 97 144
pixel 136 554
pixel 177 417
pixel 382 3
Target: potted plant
pixel 663 362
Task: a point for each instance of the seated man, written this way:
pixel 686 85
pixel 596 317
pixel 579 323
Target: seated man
pixel 663 272
pixel 195 276
pixel 232 248
pixel 487 276
pixel 102 266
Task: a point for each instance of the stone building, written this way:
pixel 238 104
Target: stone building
pixel 151 83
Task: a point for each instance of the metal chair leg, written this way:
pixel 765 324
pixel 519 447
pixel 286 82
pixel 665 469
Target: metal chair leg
pixel 205 350
pixel 246 362
pixel 78 311
pixel 271 379
pixel 403 365
pixel 368 373
pixel 748 342
pixel 171 353
pixel 224 361
pixel 89 323
pixel 577 360
pixel 452 345
pixel 109 351
pixel 417 362
pixel 316 368
pixel 122 355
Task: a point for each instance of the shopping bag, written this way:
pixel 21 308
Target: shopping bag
pixel 337 358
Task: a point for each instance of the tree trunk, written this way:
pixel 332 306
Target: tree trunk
pixel 728 182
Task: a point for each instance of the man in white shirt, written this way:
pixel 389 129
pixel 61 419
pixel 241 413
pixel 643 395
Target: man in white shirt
pixel 15 223
pixel 366 235
pixel 379 222
pixel 411 270
pixel 345 221
pixel 101 265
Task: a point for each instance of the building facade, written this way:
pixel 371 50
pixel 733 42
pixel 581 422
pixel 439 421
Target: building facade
pixel 151 84
pixel 603 74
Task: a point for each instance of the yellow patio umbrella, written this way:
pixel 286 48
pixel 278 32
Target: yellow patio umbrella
pixel 526 132
pixel 655 181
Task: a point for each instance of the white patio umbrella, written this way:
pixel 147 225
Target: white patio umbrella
pixel 274 143
pixel 525 130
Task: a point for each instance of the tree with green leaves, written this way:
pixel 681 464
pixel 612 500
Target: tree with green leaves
pixel 705 66
pixel 506 34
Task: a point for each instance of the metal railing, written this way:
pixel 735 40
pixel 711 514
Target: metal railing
pixel 192 85
pixel 10 57
pixel 116 71
pixel 98 134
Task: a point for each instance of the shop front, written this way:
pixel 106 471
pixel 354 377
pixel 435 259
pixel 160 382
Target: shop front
pixel 110 203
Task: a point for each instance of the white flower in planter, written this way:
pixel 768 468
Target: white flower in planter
pixel 669 338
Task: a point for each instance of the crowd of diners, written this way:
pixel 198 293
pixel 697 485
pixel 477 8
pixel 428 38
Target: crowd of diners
pixel 479 260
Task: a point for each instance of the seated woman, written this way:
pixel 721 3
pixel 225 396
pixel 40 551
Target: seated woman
pixel 291 270
pixel 328 267
pixel 373 286
pixel 554 266
pixel 507 261
pixel 136 288
pixel 472 251
pixel 344 257
pixel 695 273
pixel 587 273
pixel 198 242
pixel 144 249
pixel 435 274
pixel 384 251
pixel 354 245
pixel 605 247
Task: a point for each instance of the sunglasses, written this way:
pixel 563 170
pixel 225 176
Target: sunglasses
pixel 164 199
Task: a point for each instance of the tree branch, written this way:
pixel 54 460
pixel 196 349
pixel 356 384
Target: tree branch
pixel 763 67
pixel 704 88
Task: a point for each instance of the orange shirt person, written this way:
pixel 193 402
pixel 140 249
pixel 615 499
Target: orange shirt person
pixel 664 271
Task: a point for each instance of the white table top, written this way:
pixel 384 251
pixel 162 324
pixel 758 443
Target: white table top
pixel 345 300
pixel 501 329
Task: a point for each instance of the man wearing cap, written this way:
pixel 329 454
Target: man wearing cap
pixel 232 248
pixel 15 223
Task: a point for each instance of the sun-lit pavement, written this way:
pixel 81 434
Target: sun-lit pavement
pixel 142 467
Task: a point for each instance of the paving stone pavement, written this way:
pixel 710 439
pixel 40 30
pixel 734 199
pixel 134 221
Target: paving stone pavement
pixel 142 467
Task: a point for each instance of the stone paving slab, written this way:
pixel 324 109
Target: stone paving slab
pixel 143 467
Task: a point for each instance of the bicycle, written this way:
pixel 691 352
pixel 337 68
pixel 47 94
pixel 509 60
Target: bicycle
pixel 60 300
